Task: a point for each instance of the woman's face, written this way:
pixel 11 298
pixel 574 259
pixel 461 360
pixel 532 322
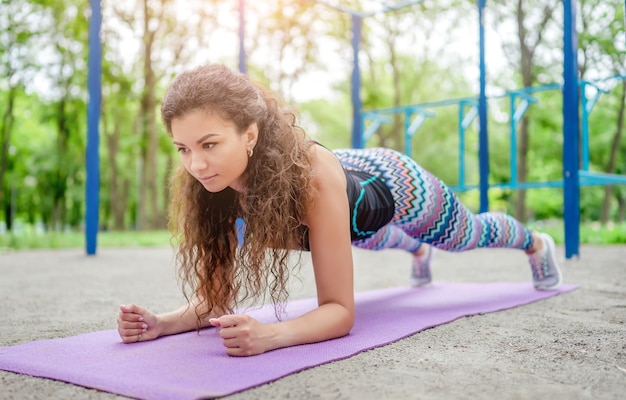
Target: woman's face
pixel 212 150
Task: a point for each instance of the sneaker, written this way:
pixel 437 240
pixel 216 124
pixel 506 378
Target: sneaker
pixel 420 273
pixel 546 272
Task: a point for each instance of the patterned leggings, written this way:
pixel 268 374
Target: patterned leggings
pixel 426 210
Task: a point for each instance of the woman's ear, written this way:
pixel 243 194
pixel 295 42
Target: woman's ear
pixel 252 135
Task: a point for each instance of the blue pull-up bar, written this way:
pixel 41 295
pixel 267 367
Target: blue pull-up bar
pixel 571 125
pixel 92 156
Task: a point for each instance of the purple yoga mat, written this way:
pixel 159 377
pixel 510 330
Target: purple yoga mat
pixel 192 365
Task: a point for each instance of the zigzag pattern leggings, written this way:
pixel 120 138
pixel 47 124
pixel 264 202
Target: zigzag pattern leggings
pixel 426 210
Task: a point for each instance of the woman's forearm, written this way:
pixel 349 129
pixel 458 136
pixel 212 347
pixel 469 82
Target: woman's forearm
pixel 328 321
pixel 182 319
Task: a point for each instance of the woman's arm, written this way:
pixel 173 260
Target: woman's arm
pixel 331 252
pixel 137 324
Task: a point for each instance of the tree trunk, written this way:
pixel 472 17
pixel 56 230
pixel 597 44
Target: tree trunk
pixel 118 199
pixel 522 169
pixel 60 184
pixel 621 207
pixel 526 62
pixel 147 205
pixel 394 139
pixel 527 48
pixel 5 143
pixel 610 169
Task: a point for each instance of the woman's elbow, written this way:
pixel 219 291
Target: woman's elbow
pixel 347 322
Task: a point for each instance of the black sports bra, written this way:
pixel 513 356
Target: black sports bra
pixel 371 204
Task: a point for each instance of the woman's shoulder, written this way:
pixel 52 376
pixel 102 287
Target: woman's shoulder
pixel 325 166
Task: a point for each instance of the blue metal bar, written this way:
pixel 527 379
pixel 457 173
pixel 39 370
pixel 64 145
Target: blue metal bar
pixel 570 131
pixel 416 124
pixel 243 65
pixel 483 150
pixel 341 8
pixel 513 141
pixel 361 14
pixel 395 7
pixel 516 114
pixel 461 145
pixel 523 106
pixel 598 178
pixel 411 126
pixel 377 122
pixel 586 179
pixel 92 161
pixel 585 126
pixel 449 102
pixel 357 121
pixel 587 107
pixel 470 116
pixel 408 138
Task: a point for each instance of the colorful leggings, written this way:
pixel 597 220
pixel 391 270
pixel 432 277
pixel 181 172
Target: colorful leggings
pixel 426 210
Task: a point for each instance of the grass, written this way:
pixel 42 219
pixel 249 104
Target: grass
pixel 590 233
pixel 66 240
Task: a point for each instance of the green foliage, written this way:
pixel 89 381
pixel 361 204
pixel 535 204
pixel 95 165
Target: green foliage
pixel 591 233
pixel 328 122
pixel 407 57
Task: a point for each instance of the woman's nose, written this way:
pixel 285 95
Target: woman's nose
pixel 198 162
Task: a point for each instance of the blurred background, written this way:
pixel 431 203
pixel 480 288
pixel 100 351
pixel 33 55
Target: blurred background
pixel 427 52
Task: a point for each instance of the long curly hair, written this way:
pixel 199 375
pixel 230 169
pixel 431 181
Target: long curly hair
pixel 221 272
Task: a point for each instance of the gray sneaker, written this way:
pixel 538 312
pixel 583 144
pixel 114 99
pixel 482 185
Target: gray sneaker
pixel 546 272
pixel 420 273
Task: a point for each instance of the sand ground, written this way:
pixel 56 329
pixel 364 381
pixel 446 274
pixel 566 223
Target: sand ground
pixel 572 346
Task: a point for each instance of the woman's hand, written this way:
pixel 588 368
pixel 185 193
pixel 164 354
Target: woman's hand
pixel 136 324
pixel 243 335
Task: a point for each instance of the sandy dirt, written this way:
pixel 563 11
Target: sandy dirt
pixel 572 346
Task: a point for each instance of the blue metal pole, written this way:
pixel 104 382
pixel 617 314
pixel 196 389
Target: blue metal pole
pixel 243 67
pixel 461 145
pixel 408 138
pixel 513 140
pixel 570 131
pixel 92 185
pixel 585 127
pixel 357 122
pixel 483 150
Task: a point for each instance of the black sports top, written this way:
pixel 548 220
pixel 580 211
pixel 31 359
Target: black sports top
pixel 371 204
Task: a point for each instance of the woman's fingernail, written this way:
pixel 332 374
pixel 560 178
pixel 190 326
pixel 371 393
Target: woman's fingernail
pixel 144 327
pixel 140 319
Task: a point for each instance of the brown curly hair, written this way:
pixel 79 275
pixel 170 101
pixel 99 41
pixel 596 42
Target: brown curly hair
pixel 223 274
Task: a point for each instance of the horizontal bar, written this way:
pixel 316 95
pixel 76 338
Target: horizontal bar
pixel 394 7
pixel 519 92
pixel 586 178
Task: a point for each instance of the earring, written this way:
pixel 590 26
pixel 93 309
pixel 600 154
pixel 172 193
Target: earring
pixel 250 152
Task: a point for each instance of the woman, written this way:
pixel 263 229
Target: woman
pixel 243 156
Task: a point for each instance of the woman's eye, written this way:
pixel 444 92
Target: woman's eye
pixel 181 150
pixel 208 145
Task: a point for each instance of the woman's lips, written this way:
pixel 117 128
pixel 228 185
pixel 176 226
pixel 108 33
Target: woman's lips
pixel 207 179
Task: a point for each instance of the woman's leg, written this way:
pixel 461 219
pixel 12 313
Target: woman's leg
pixel 428 211
pixel 392 237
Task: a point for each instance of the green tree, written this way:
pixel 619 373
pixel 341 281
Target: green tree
pixel 529 56
pixel 15 37
pixel 604 53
